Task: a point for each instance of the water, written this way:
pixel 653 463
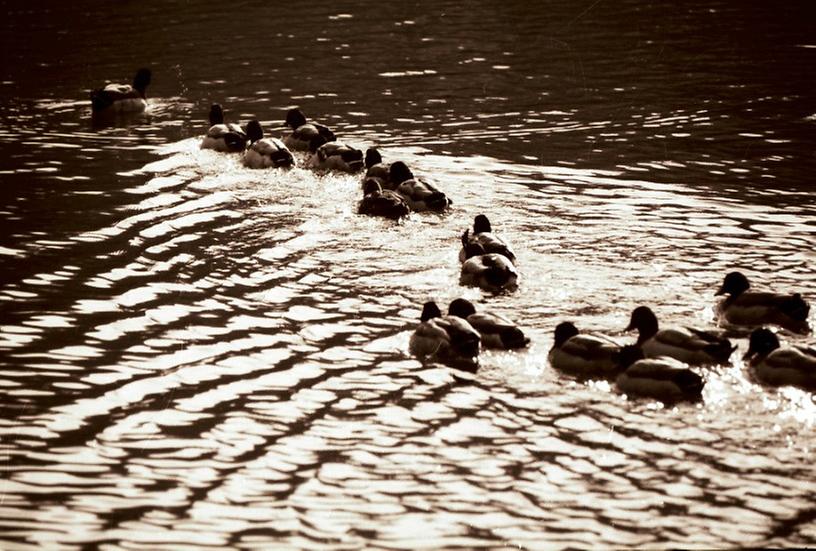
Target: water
pixel 199 355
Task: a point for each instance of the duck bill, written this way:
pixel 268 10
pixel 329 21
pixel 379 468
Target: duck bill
pixel 720 292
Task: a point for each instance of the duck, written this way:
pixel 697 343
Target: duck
pixel 335 156
pixel 496 331
pixel 444 337
pixel 221 136
pixel 777 366
pixel 583 355
pixel 492 272
pixel 379 202
pixel 303 133
pixel 420 196
pixel 122 98
pixel 376 168
pixel 663 379
pixel 744 307
pixel 482 241
pixel 265 152
pixel 685 344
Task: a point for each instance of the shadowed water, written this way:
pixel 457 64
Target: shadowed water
pixel 195 354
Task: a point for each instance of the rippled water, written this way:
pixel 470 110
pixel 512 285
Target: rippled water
pixel 195 354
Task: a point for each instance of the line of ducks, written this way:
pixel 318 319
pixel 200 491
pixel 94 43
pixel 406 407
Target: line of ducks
pixel 656 366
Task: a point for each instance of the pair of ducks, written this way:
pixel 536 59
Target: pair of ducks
pixel 391 190
pixel 458 336
pixel 655 366
pixel 487 260
pixel 316 139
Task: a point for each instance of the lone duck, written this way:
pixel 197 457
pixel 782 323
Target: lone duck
pixel 221 136
pixel 773 365
pixel 379 202
pixel 491 272
pixel 122 98
pixel 335 156
pixel 583 355
pixel 483 241
pixel 303 132
pixel 419 195
pixel 265 152
pixel 496 331
pixel 444 337
pixel 690 346
pixel 663 379
pixel 743 307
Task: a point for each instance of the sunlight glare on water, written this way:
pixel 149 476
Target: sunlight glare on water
pixel 197 354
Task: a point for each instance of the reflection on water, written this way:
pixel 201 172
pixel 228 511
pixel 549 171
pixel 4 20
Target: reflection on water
pixel 198 354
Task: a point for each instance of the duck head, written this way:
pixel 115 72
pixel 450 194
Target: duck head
pixel 461 307
pixel 371 185
pixel 761 343
pixel 563 332
pixel 734 284
pixel 295 118
pixel 372 157
pixel 254 131
pixel 644 320
pixel 141 81
pixel 481 224
pixel 430 311
pixel 216 114
pixel 399 173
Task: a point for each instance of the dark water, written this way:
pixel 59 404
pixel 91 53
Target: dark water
pixel 199 355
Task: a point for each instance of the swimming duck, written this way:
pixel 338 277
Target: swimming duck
pixel 492 272
pixel 773 365
pixel 303 132
pixel 482 239
pixel 265 152
pixel 444 337
pixel 663 379
pixel 335 156
pixel 376 168
pixel 691 346
pixel 742 307
pixel 419 195
pixel 379 202
pixel 496 331
pixel 221 136
pixel 122 98
pixel 583 355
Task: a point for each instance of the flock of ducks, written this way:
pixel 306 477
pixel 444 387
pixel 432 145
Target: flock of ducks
pixel 657 365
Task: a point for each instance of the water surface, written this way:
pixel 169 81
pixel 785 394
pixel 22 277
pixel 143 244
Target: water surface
pixel 195 354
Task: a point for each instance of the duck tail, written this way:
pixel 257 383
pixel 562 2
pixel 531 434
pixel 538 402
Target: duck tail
pixel 721 351
pixel 514 337
pixel 466 344
pixel 100 100
pixel 796 307
pixel 326 133
pixel 437 201
pixel 690 383
pixel 235 142
pixel 465 238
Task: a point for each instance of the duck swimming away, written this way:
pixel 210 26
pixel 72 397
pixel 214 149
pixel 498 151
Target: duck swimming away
pixel 753 308
pixel 685 344
pixel 122 98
